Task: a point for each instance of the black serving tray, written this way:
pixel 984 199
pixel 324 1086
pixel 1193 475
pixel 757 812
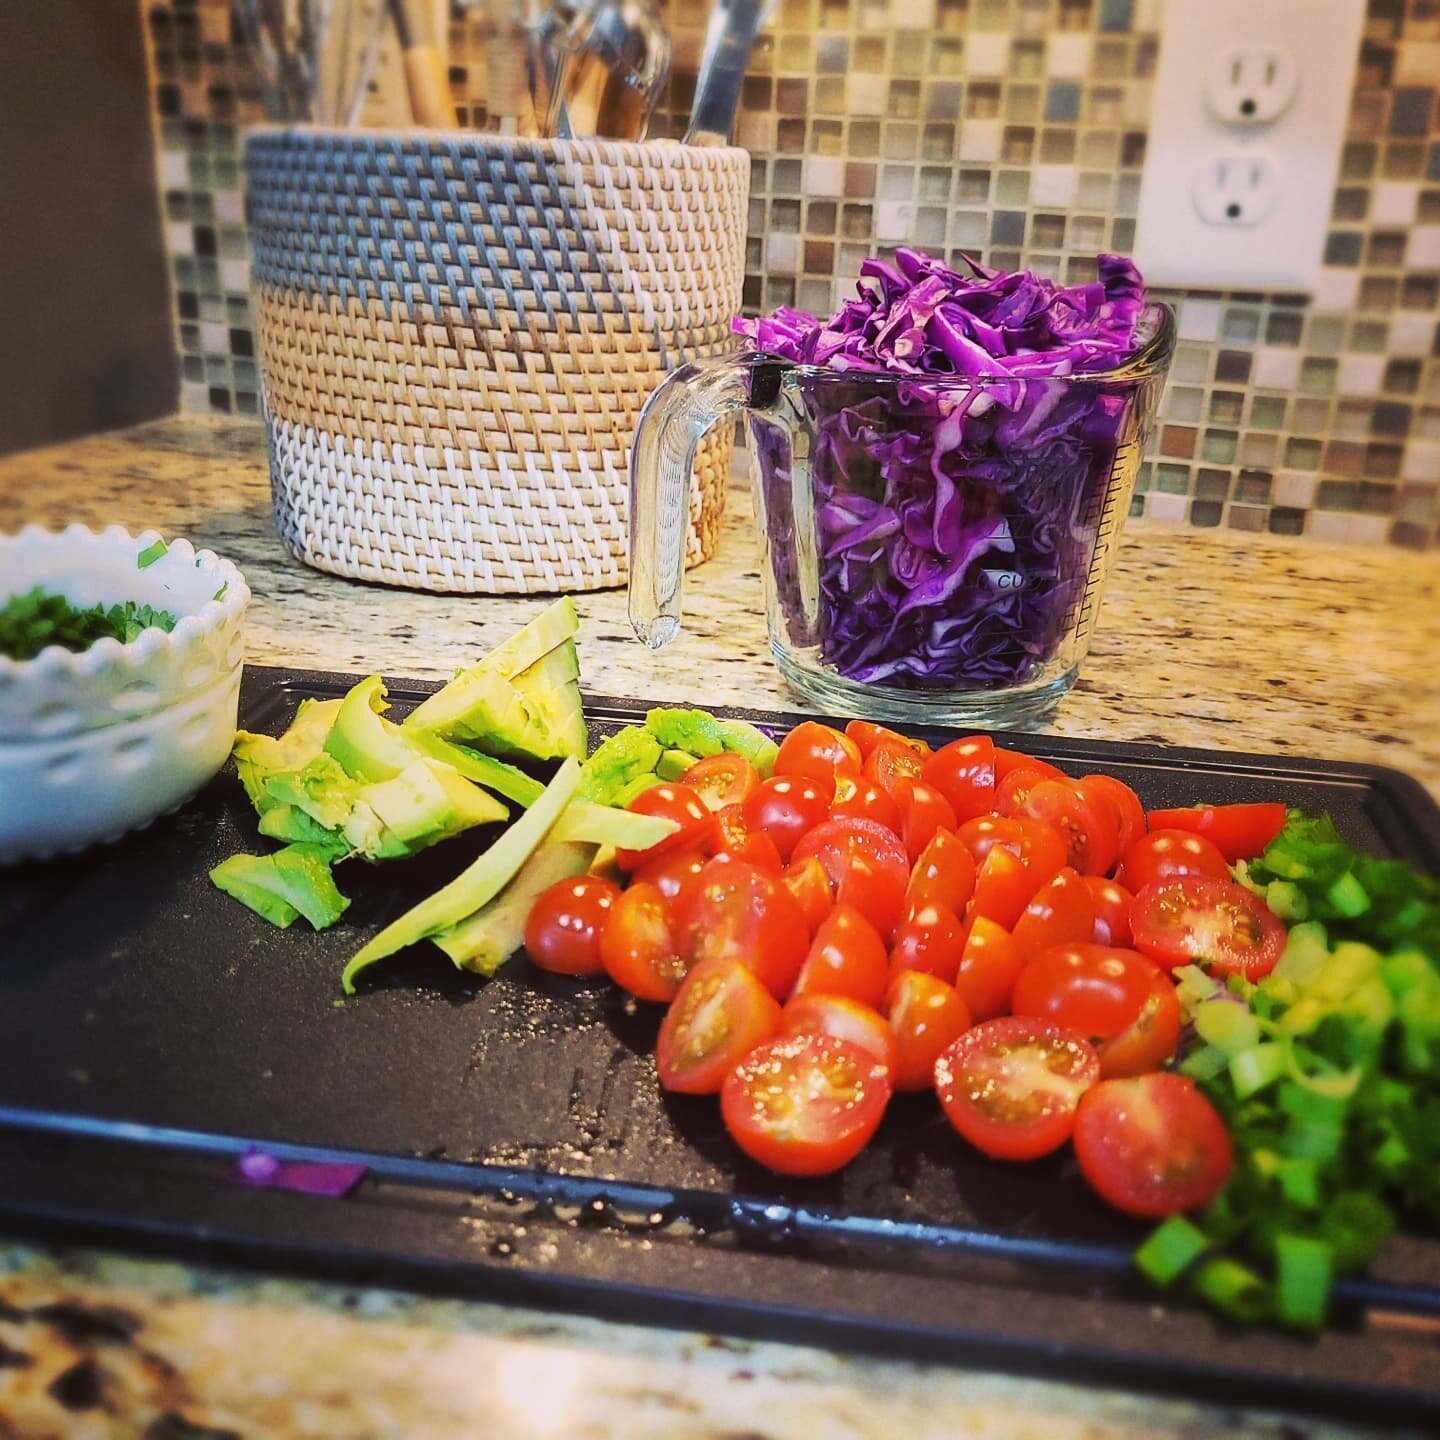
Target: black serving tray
pixel 151 1029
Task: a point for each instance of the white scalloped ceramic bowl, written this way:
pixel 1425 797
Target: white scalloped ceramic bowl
pixel 96 744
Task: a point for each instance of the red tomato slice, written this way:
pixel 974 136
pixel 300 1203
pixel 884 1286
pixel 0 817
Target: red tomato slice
pixel 1060 911
pixel 1010 1086
pixel 869 737
pixel 735 911
pixel 866 864
pixel 923 811
pixel 1011 792
pixel 846 957
pixel 989 967
pixel 1153 1145
pixel 845 1019
pixel 1041 847
pixel 1198 919
pixel 562 931
pixel 929 939
pixel 926 1015
pixel 810 885
pixel 817 751
pixel 1123 802
pixel 858 799
pixel 786 806
pixel 721 780
pixel 944 873
pixel 1121 1003
pixel 1091 841
pixel 888 764
pixel 731 835
pixel 1112 902
pixel 1166 854
pixel 719 1015
pixel 1008 760
pixel 671 802
pixel 1239 832
pixel 1003 887
pixel 671 873
pixel 638 947
pixel 805 1104
pixel 964 773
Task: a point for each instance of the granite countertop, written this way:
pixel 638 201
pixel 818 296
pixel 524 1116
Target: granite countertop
pixel 1209 639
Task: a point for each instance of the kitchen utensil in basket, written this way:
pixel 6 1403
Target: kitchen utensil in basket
pixel 457 334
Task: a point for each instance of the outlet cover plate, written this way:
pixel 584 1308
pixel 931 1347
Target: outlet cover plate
pixel 1174 244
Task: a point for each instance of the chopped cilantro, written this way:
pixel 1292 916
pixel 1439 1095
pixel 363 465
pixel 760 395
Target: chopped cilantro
pixel 30 622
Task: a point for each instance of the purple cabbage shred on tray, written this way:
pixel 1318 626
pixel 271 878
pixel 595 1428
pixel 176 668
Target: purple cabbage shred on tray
pixel 332 1178
pixel 955 525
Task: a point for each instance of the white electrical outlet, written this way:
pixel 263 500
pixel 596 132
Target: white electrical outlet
pixel 1249 115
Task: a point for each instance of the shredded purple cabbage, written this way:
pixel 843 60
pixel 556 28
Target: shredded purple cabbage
pixel 954 526
pixel 332 1178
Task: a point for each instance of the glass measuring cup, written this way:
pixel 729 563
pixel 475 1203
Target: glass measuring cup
pixel 935 548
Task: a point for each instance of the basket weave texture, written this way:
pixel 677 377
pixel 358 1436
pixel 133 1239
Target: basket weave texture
pixel 456 336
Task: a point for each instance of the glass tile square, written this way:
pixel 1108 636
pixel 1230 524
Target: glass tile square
pixel 1219 446
pixel 1267 412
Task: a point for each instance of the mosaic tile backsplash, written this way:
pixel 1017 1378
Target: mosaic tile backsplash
pixel 1012 130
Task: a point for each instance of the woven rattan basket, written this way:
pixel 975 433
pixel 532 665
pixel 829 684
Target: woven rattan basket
pixel 457 334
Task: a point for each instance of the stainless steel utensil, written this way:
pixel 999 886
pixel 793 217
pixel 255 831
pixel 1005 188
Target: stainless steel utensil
pixel 315 58
pixel 611 62
pixel 729 39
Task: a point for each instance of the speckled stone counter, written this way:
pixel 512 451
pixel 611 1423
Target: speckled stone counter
pixel 1233 642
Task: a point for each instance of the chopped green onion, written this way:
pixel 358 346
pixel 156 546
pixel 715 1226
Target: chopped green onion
pixel 1233 1288
pixel 1254 1069
pixel 1227 1026
pixel 1348 896
pixel 1171 1249
pixel 1303 1271
pixel 150 554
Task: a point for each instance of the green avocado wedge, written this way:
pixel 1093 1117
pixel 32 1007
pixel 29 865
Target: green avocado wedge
pixel 477 884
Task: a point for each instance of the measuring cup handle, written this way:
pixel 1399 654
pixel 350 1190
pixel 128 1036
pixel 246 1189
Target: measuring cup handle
pixel 671 425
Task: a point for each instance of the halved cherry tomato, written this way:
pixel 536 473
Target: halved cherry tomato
pixel 731 835
pixel 846 957
pixel 945 873
pixel 1239 832
pixel 735 911
pixel 1124 804
pixel 671 873
pixel 929 939
pixel 857 798
pixel 964 773
pixel 1198 919
pixel 786 806
pixel 989 967
pixel 562 931
pixel 923 811
pixel 1166 854
pixel 1041 847
pixel 1061 910
pixel 1121 1003
pixel 1152 1145
pixel 721 780
pixel 1010 1086
pixel 866 864
pixel 719 1015
pixel 805 1104
pixel 810 885
pixel 1010 792
pixel 845 1019
pixel 1003 887
pixel 817 751
pixel 1008 760
pixel 638 947
pixel 1112 902
pixel 926 1015
pixel 868 737
pixel 887 764
pixel 670 801
pixel 1090 836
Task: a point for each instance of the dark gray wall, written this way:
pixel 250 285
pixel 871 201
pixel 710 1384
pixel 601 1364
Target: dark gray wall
pixel 85 331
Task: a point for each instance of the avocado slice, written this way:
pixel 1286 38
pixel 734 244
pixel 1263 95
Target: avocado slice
pixel 704 734
pixel 296 879
pixel 605 825
pixel 674 763
pixel 496 931
pixel 363 741
pixel 427 803
pixel 292 825
pixel 319 788
pixel 497 775
pixel 477 884
pixel 552 687
pixel 553 626
pixel 616 761
pixel 257 756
